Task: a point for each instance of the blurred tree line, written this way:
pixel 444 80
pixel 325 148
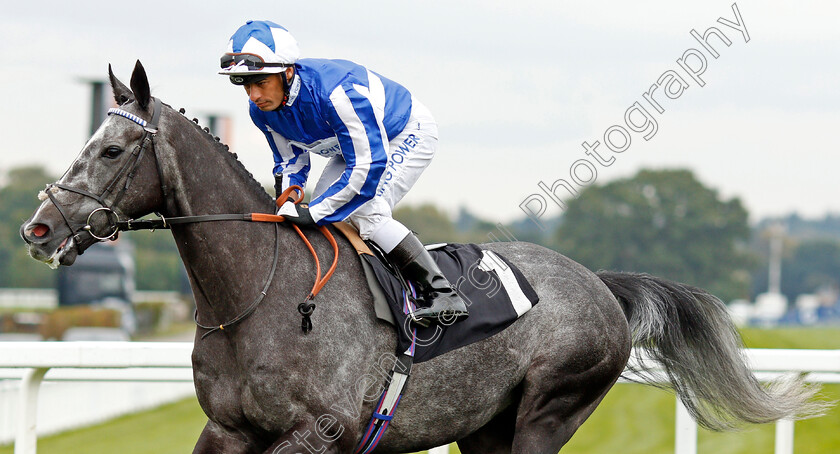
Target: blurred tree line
pixel 663 222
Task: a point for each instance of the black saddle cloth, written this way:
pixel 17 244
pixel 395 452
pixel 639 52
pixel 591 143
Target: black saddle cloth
pixel 495 291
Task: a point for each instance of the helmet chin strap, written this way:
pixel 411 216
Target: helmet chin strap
pixel 287 86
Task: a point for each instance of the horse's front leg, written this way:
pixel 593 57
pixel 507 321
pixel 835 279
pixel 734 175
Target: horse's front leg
pixel 215 439
pixel 324 436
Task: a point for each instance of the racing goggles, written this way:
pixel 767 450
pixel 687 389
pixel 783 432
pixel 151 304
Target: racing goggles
pixel 252 61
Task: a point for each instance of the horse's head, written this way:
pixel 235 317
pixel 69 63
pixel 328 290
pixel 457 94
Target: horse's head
pixel 116 176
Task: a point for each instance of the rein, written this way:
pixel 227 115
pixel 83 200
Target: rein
pixel 305 308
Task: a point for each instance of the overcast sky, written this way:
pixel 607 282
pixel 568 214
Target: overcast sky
pixel 516 87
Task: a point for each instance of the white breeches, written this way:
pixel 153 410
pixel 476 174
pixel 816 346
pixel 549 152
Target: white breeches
pixel 409 154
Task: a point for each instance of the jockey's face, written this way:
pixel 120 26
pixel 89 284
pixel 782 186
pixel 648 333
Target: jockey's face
pixel 268 93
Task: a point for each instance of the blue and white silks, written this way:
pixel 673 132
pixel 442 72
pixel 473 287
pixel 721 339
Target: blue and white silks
pixel 336 107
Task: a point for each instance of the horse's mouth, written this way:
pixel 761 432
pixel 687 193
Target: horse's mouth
pixel 65 254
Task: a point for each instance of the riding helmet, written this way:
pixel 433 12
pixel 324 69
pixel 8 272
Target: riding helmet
pixel 257 50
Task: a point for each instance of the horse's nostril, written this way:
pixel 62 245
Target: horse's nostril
pixel 40 230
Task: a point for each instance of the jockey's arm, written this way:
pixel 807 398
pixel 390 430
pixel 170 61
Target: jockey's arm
pixel 291 164
pixel 364 143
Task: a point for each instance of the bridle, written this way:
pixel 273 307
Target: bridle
pixel 150 129
pixel 128 169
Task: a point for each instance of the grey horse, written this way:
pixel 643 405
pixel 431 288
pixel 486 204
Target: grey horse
pixel 267 387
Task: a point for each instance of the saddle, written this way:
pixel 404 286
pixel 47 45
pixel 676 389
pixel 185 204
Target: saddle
pixel 495 291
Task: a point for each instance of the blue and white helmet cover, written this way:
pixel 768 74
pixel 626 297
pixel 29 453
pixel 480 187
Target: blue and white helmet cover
pixel 272 42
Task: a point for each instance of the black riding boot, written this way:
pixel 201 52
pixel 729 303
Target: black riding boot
pixel 418 266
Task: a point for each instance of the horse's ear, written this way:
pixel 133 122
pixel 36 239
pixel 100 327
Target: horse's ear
pixel 121 93
pixel 140 85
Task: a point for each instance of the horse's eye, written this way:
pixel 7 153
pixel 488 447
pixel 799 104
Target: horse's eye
pixel 112 152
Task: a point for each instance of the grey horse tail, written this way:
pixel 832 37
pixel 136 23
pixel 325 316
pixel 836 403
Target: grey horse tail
pixel 690 334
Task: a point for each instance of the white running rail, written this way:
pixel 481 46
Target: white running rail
pixel 170 361
pixel 86 361
pixel 819 366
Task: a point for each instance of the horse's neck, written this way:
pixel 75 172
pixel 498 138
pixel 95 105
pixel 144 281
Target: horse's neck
pixel 208 179
pixel 228 261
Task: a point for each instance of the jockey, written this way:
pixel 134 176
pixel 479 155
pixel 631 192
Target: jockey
pixel 377 136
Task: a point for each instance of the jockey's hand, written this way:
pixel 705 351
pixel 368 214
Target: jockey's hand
pixel 297 214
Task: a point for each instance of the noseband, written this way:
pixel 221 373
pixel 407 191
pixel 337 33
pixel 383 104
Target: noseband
pixel 150 129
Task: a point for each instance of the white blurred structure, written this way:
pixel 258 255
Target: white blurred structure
pixel 807 305
pixel 774 278
pixel 29 298
pixel 47 298
pixel 769 307
pixel 741 312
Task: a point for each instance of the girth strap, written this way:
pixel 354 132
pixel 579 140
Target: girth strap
pixel 387 405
